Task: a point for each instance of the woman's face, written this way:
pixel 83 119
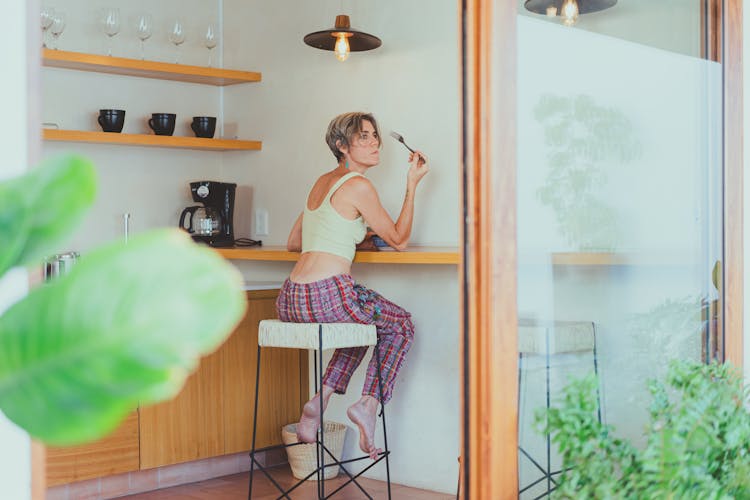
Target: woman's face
pixel 364 147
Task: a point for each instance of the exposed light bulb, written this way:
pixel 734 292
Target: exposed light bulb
pixel 551 11
pixel 342 47
pixel 569 12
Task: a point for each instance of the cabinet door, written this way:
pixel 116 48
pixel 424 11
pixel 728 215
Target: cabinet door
pixel 213 413
pixel 188 427
pixel 115 454
pixel 283 379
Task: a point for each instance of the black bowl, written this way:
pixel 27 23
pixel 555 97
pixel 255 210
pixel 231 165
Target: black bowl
pixel 162 123
pixel 111 120
pixel 204 126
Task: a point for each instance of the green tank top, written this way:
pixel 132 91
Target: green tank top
pixel 325 230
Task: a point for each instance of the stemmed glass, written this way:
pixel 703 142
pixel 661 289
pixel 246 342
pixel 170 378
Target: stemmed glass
pixel 47 16
pixel 110 26
pixel 144 29
pixel 177 37
pixel 57 26
pixel 210 41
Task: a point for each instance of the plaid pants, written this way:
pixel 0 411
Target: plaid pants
pixel 339 299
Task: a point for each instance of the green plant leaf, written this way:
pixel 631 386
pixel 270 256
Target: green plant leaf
pixel 697 446
pixel 126 326
pixel 40 208
pixel 14 227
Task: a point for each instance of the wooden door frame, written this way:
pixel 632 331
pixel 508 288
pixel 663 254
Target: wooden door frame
pixel 732 105
pixel 488 270
pixel 489 256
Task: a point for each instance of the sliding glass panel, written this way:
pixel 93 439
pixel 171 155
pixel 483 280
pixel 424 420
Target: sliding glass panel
pixel 619 206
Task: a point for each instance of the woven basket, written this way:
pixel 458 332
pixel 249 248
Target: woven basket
pixel 302 457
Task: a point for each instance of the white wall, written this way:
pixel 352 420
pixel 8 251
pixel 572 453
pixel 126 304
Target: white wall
pixel 411 85
pixel 746 186
pixel 15 140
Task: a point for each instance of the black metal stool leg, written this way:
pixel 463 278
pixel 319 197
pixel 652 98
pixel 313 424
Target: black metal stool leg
pixel 549 439
pixel 317 448
pixel 255 427
pixel 382 415
pixel 598 381
pixel 321 444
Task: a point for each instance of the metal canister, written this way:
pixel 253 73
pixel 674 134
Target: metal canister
pixel 59 264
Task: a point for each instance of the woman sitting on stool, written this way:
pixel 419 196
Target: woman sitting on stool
pixel 320 289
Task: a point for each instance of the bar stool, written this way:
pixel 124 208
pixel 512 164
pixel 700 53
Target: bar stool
pixel 560 337
pixel 317 337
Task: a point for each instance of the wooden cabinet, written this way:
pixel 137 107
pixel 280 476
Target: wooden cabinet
pixel 188 427
pixel 115 454
pixel 211 416
pixel 284 386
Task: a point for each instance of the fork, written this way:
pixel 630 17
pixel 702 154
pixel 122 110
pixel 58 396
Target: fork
pixel 400 138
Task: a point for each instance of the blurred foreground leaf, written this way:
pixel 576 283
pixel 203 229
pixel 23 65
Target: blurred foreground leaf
pixel 40 209
pixel 125 327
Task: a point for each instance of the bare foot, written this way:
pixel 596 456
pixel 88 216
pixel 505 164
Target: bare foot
pixel 309 421
pixel 363 413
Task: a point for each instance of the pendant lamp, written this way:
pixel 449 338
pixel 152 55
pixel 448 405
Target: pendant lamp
pixel 342 39
pixel 568 10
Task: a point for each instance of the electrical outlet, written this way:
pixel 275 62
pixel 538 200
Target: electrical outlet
pixel 261 222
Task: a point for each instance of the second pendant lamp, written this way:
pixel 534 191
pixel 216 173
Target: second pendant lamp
pixel 568 10
pixel 342 39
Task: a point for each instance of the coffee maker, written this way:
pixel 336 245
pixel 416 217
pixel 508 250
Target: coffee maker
pixel 211 223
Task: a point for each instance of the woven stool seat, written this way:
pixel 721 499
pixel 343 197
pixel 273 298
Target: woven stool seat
pixel 275 333
pixel 564 336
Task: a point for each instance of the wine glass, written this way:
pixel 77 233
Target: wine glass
pixel 47 16
pixel 57 26
pixel 177 37
pixel 210 40
pixel 110 25
pixel 144 29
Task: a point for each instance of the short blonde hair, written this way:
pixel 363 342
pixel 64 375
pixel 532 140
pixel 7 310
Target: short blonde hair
pixel 344 127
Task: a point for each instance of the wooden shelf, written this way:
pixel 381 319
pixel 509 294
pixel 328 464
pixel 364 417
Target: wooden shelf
pixel 588 259
pixel 594 259
pixel 146 69
pixel 162 141
pixel 413 255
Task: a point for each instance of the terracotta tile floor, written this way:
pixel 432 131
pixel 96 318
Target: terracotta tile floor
pixel 235 487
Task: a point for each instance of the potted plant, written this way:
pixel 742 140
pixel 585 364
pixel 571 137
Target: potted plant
pixel 697 440
pixel 125 327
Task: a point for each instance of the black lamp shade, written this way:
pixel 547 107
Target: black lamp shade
pixel 358 41
pixel 584 6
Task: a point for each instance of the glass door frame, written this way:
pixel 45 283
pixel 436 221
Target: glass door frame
pixel 488 270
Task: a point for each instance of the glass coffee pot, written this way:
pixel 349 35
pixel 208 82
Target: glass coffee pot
pixel 203 222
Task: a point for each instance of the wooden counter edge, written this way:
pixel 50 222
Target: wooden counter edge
pixel 415 255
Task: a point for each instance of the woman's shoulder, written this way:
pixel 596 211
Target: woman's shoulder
pixel 356 182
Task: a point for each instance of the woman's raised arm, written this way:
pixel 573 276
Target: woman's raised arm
pixel 368 203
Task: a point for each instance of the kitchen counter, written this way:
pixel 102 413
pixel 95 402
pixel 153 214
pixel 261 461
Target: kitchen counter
pixel 412 255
